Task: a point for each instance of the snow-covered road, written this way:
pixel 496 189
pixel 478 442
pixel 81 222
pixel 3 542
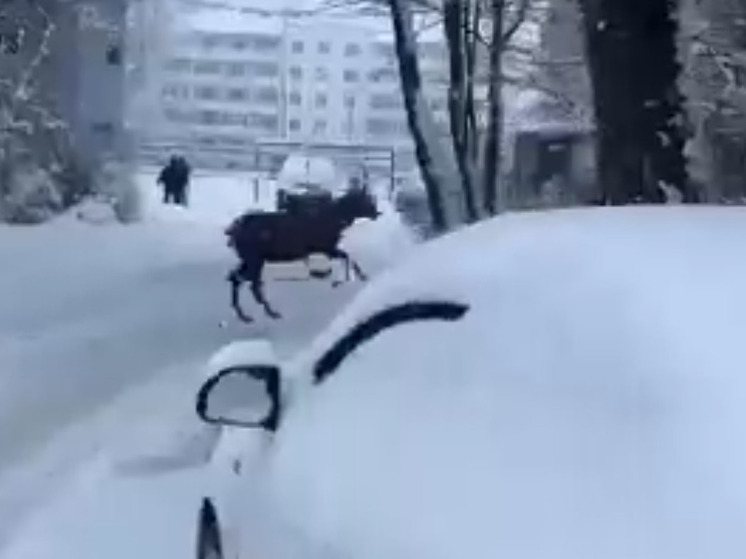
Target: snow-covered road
pixel 103 329
pixel 67 351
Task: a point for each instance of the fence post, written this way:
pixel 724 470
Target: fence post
pixel 256 189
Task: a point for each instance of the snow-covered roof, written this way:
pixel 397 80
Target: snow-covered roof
pixel 589 404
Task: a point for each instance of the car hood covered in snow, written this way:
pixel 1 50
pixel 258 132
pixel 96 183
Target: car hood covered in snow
pixel 589 405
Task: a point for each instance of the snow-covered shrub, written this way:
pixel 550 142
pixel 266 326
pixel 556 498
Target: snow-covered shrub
pixel 116 182
pixel 32 196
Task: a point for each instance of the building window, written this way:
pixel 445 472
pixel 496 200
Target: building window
pixel 352 49
pixel 294 124
pixel 385 50
pixel 385 127
pixel 296 72
pixel 236 69
pixel 114 55
pixel 268 123
pixel 173 91
pixel 209 117
pixel 262 43
pixel 383 75
pixel 263 69
pixel 325 47
pixel 319 126
pixel 385 101
pixel 351 76
pixel 322 74
pixel 297 47
pixel 206 67
pixel 209 42
pixel 349 100
pixel 175 115
pixel 321 100
pixel 239 44
pixel 205 93
pixel 237 94
pixel 266 95
pixel 179 65
pixel 295 98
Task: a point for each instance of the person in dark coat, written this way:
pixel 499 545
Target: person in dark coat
pixel 168 179
pixel 184 172
pixel 175 178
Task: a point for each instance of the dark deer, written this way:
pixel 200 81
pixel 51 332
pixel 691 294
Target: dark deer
pixel 261 238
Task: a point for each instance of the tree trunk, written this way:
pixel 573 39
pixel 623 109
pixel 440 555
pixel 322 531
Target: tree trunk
pixel 662 99
pixel 455 24
pixel 436 163
pixel 472 128
pixel 631 50
pixel 492 142
pixel 411 86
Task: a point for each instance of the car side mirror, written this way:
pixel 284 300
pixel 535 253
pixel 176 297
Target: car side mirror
pixel 242 396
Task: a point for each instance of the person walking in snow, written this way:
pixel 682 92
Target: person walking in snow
pixel 182 185
pixel 174 178
pixel 167 179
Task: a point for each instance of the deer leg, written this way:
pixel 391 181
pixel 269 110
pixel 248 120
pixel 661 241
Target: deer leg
pixel 235 278
pixel 258 292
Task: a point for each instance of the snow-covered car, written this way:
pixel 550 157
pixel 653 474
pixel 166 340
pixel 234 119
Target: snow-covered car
pixel 563 384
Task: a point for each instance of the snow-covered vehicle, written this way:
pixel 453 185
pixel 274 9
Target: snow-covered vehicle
pixel 305 182
pixel 559 384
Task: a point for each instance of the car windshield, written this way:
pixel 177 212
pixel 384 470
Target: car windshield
pixel 545 195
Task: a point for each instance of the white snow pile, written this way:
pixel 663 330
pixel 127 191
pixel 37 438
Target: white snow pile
pixel 590 404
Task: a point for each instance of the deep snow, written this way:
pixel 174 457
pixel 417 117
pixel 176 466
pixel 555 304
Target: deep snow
pixel 102 345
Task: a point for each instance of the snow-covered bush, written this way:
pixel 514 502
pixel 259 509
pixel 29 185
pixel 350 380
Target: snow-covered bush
pixel 32 196
pixel 116 182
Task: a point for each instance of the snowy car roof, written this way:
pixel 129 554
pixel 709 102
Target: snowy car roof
pixel 632 247
pixel 590 403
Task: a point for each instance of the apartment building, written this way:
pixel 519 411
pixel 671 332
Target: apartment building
pixel 226 77
pixel 235 78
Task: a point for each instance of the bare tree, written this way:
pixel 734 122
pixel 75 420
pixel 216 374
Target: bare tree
pixel 468 47
pixel 500 37
pixel 433 159
pixel 457 23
